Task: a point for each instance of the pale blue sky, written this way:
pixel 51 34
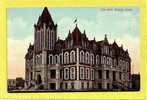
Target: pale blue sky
pixel 114 23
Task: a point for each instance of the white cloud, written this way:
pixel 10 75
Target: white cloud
pixel 17 28
pixel 16 50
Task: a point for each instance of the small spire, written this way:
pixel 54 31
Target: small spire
pixel 94 38
pixel 105 38
pixel 114 40
pixel 69 31
pixel 84 31
pixel 122 45
pixel 76 24
pixel 58 37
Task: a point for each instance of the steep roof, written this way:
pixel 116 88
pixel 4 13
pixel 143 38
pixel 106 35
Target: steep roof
pixel 45 17
pixel 76 34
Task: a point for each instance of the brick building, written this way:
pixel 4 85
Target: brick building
pixel 75 63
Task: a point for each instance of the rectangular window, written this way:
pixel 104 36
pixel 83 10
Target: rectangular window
pixel 114 76
pixel 107 74
pixel 61 74
pixel 100 74
pixel 53 73
pixel 66 86
pixel 100 85
pixel 72 85
pixel 82 85
pixel 120 75
pixel 53 86
pixel 92 74
pixel 87 85
pixel 108 86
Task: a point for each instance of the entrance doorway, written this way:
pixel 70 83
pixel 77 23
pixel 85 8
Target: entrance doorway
pixel 39 80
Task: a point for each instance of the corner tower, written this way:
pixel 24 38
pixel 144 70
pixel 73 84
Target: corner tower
pixel 45 35
pixel 45 32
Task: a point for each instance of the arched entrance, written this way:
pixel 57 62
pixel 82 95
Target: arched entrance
pixel 39 80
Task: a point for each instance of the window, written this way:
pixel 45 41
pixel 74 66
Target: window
pixel 66 86
pixel 114 76
pixel 114 62
pixel 50 59
pixel 107 74
pixel 53 73
pixel 61 74
pixel 72 85
pixel 81 72
pixel 108 86
pixel 110 61
pixel 92 59
pixel 56 59
pixel 66 58
pixel 92 74
pixel 87 72
pixel 105 61
pixel 87 58
pixel 72 57
pixel 60 59
pixel 100 85
pixel 82 57
pixel 97 59
pixel 102 60
pixel 82 85
pixel 120 75
pixel 53 86
pixel 66 73
pixel 87 85
pixel 72 73
pixel 100 74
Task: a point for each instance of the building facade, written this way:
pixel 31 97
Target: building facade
pixel 75 63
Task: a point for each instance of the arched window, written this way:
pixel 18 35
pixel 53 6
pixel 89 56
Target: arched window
pixel 81 72
pixel 40 59
pixel 50 59
pixel 87 72
pixel 66 58
pixel 66 73
pixel 92 59
pixel 87 58
pixel 72 57
pixel 60 59
pixel 82 57
pixel 92 74
pixel 97 59
pixel 108 61
pixel 56 59
pixel 114 62
pixel 72 73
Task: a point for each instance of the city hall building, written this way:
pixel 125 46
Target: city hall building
pixel 75 63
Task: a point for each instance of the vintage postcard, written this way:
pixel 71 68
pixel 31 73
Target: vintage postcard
pixel 73 50
pixel 82 49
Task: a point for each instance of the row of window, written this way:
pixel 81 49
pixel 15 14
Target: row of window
pixel 84 85
pixel 50 36
pixel 85 73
